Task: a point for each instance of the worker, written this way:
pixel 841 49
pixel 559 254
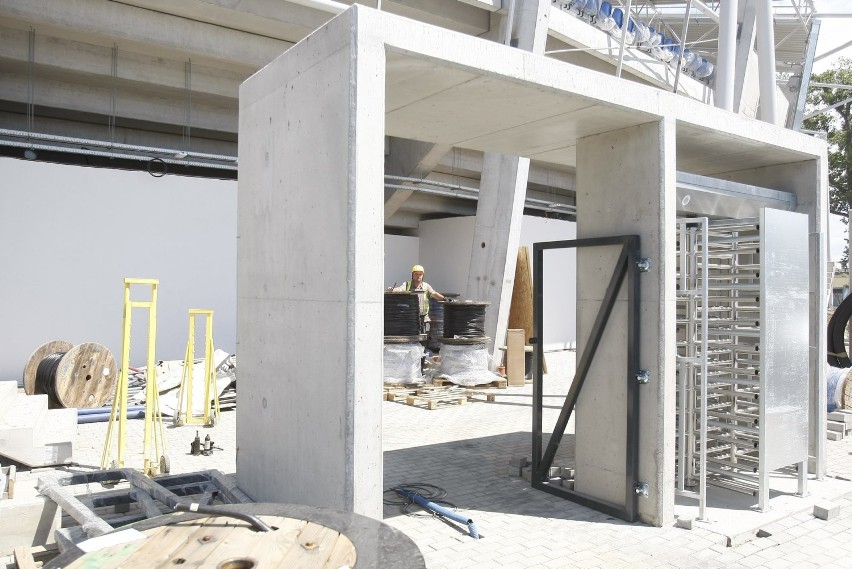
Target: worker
pixel 425 290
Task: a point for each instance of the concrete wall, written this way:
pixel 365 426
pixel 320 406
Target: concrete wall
pixel 310 275
pixel 70 235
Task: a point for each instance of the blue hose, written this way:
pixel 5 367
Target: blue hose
pixel 440 510
pixel 102 410
pixel 104 417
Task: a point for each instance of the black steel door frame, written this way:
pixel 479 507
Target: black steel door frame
pixel 627 266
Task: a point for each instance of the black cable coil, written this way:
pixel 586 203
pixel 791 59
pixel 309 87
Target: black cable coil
pixel 402 314
pixel 46 376
pixel 464 320
pixel 837 354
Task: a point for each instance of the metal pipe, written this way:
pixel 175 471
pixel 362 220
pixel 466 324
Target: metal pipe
pixel 101 410
pixel 682 44
pixel 106 144
pixel 726 61
pixel 440 510
pixel 625 25
pixel 104 417
pixel 54 488
pixel 766 60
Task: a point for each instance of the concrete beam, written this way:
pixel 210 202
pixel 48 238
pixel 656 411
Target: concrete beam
pixel 310 276
pixel 141 30
pixel 410 159
pixel 640 158
pixel 92 64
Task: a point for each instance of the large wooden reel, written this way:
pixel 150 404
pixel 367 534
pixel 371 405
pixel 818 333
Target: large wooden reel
pixel 84 377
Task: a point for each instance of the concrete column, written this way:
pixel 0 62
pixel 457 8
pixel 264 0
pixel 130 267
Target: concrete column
pixel 809 181
pixel 310 270
pixel 626 185
pixel 746 60
pixel 502 191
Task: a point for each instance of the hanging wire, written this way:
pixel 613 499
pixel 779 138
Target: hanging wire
pixel 30 82
pixel 114 73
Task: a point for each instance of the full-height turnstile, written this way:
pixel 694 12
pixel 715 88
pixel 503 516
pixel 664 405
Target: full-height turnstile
pixel 743 297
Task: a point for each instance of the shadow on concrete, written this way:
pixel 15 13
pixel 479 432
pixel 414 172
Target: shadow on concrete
pixel 475 475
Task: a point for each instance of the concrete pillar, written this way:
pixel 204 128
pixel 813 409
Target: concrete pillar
pixel 626 185
pixel 310 272
pixel 502 191
pixel 809 181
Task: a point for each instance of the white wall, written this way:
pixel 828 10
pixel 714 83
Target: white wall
pixel 445 253
pixel 69 236
pixel 401 253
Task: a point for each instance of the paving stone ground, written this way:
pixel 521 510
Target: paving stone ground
pixel 466 451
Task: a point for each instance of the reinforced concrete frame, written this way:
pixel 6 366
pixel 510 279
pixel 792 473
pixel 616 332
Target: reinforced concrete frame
pixel 311 212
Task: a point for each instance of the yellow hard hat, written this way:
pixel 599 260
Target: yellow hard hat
pixel 417 269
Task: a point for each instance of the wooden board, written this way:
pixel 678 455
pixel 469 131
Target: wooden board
pixel 436 397
pixel 515 364
pixel 225 542
pixel 521 309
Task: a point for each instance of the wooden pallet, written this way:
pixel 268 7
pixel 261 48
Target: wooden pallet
pixel 496 384
pixel 434 397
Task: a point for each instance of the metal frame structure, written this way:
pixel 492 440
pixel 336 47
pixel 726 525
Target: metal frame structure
pixel 184 413
pixel 626 268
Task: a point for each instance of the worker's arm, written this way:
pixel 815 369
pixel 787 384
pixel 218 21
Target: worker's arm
pixel 438 295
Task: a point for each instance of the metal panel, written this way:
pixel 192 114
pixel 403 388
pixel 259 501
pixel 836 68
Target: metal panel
pixel 784 294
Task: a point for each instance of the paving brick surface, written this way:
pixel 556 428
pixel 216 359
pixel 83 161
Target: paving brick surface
pixel 466 450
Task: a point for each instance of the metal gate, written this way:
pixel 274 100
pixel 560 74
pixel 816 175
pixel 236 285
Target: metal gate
pixel 627 267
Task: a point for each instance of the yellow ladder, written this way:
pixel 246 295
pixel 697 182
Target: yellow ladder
pixel 154 439
pixel 187 417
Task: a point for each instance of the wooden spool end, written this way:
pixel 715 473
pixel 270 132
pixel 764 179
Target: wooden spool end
pixel 86 376
pixel 475 341
pixel 405 339
pixel 52 347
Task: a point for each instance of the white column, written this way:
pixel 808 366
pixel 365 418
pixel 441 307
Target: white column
pixel 727 55
pixel 310 271
pixel 766 58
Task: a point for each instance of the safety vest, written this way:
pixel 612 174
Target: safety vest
pixel 424 301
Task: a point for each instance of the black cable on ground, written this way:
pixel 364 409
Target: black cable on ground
pixel 428 491
pixel 838 356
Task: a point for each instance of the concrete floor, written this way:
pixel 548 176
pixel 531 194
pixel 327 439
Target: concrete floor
pixel 466 451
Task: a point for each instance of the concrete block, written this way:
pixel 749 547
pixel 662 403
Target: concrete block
pixel 519 461
pixel 826 510
pixel 835 426
pixel 30 521
pixel 554 471
pixel 514 471
pixel 567 473
pixel 526 472
pixel 834 435
pixel 840 417
pixel 684 523
pixel 567 484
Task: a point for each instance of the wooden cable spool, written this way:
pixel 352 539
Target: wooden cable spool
pixel 84 375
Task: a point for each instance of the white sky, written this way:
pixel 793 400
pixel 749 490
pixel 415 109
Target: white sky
pixel 833 32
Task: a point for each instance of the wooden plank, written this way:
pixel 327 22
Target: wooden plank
pixel 521 309
pixel 515 370
pixel 24 557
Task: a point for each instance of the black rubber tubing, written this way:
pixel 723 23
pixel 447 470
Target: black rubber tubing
pixel 837 353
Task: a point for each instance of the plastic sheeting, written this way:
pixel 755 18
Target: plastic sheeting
pixel 836 379
pixel 466 364
pixel 402 363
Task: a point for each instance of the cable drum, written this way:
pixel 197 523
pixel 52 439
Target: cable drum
pixel 402 314
pixel 836 345
pixel 71 376
pixel 464 319
pixel 436 316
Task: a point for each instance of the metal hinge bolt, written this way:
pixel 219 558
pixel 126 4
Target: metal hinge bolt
pixel 644 376
pixel 641 488
pixel 644 264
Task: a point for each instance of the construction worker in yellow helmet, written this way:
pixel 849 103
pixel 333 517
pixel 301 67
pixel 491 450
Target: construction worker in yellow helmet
pixel 425 290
